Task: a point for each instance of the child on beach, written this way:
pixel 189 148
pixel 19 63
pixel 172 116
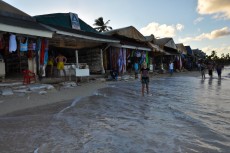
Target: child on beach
pixel 145 78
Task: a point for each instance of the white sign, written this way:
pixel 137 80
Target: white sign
pixel 75 21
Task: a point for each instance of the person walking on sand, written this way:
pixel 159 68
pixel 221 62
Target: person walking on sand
pixel 202 70
pixel 61 60
pixel 171 66
pixel 219 68
pixel 145 78
pixel 210 69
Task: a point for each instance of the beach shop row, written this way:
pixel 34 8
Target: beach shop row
pixel 27 42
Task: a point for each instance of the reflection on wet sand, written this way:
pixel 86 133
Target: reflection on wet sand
pixel 183 114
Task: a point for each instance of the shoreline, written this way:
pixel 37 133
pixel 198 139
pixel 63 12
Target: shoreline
pixel 15 103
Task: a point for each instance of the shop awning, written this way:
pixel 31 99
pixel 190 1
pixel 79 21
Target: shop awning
pixel 72 38
pixel 132 45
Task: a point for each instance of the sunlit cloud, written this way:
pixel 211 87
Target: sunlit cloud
pixel 212 35
pixel 220 8
pixel 179 27
pixel 199 19
pixel 221 50
pixel 161 30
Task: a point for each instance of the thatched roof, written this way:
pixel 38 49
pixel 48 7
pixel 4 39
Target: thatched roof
pixel 128 32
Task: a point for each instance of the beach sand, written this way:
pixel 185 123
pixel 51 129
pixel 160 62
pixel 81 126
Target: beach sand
pixel 18 102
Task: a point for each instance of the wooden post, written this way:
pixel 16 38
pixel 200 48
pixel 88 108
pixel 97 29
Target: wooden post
pixel 102 65
pixel 77 62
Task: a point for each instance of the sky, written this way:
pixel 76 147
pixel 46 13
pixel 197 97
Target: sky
pixel 200 24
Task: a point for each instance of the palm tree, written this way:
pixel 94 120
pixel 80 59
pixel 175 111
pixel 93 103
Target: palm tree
pixel 101 26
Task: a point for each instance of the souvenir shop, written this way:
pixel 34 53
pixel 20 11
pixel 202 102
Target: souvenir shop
pixel 21 52
pixel 123 59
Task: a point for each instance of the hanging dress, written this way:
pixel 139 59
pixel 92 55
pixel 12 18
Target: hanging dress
pixel 12 43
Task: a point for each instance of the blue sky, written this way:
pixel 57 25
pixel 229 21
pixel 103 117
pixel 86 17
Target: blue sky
pixel 202 24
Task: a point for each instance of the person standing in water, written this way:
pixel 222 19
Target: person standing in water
pixel 219 68
pixel 171 66
pixel 145 78
pixel 202 70
pixel 210 69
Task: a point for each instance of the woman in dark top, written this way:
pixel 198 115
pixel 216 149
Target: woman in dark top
pixel 145 78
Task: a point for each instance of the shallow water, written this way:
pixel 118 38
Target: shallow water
pixel 182 114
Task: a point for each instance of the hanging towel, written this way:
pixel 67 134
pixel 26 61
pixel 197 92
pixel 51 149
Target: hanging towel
pixel 42 52
pixel 12 43
pixel 46 57
pixel 46 52
pixel 124 60
pixel 37 49
pixel 24 46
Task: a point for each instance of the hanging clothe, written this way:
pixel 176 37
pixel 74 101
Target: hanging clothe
pixel 42 52
pixel 120 61
pixel 37 49
pixel 31 45
pixel 12 43
pixel 1 43
pixel 46 56
pixel 24 46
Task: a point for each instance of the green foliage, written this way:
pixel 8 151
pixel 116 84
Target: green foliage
pixel 224 59
pixel 101 25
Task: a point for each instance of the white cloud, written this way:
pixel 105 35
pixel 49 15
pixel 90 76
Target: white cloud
pixel 220 8
pixel 212 35
pixel 179 27
pixel 221 50
pixel 199 19
pixel 162 30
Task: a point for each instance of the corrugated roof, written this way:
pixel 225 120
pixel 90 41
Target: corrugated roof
pixel 10 11
pixel 62 20
pixel 16 21
pixel 83 33
pixel 22 23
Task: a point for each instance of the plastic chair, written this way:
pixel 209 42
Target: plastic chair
pixel 28 76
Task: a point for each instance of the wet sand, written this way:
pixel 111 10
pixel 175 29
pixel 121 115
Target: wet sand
pixel 109 120
pixel 17 102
